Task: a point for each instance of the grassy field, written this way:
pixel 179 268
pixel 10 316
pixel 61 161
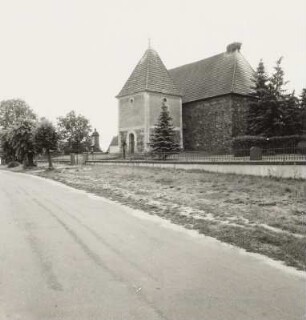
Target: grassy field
pixel 262 215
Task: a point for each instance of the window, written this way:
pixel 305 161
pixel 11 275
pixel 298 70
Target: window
pixel 131 100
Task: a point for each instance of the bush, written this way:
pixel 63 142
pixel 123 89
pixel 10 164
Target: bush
pixel 273 145
pixel 242 144
pixel 287 144
pixel 283 142
pixel 13 164
pixel 301 147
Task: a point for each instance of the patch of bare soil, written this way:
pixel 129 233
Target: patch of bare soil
pixel 262 215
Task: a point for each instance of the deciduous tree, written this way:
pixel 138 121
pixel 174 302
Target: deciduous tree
pixel 5 142
pixel 13 111
pixel 75 130
pixel 46 139
pixel 22 142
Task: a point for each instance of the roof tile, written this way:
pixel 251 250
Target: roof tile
pixel 224 73
pixel 228 72
pixel 150 74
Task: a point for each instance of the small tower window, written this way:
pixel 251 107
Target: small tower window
pixel 131 100
pixel 164 99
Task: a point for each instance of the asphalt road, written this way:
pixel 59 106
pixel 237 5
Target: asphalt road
pixel 68 255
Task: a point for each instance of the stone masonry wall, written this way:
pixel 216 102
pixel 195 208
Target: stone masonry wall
pixel 209 125
pixel 240 107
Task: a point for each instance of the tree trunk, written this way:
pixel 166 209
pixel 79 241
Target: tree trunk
pixel 49 160
pixel 25 161
pixel 30 159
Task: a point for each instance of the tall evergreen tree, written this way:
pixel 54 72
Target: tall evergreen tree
pixel 258 105
pixel 274 117
pixel 277 82
pixel 273 112
pixel 291 110
pixel 303 111
pixel 163 140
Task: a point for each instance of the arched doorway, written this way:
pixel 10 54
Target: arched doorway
pixel 131 143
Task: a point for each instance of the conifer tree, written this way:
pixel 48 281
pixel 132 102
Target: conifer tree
pixel 258 105
pixel 163 139
pixel 303 111
pixel 291 110
pixel 273 112
pixel 277 82
pixel 274 116
pixel 303 99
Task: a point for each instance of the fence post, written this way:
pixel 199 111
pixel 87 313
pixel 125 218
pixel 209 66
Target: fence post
pixel 84 158
pixel 72 159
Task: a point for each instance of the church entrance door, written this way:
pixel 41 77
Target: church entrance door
pixel 131 143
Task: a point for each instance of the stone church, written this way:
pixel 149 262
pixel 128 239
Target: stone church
pixel 207 100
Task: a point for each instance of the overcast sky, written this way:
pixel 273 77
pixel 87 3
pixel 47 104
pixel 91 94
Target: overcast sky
pixel 60 55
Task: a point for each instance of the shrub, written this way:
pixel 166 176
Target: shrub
pixel 13 164
pixel 287 144
pixel 283 142
pixel 301 146
pixel 242 144
pixel 273 145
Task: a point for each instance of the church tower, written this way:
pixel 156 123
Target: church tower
pixel 140 100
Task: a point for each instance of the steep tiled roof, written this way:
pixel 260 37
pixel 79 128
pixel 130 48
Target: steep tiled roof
pixel 150 74
pixel 228 72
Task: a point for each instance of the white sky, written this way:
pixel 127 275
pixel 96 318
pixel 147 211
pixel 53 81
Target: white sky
pixel 60 55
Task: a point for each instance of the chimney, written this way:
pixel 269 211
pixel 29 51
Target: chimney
pixel 232 47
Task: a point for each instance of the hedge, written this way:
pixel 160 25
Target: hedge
pixel 241 145
pixel 274 145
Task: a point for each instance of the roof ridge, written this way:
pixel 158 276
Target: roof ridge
pixel 147 70
pixel 234 73
pixel 194 62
